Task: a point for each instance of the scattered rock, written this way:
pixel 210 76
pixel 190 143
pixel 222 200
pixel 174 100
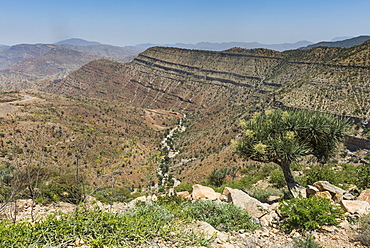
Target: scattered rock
pixel 204 228
pixel 269 219
pixel 79 242
pixel 349 196
pixel 334 190
pixel 273 198
pixel 241 199
pixel 185 195
pixel 345 225
pixel 364 196
pixel 323 194
pixel 274 206
pixel 326 186
pixel 203 192
pixel 338 197
pixel 355 206
pixel 136 200
pixel 311 190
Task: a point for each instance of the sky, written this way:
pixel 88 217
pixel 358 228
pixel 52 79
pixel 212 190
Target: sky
pixel 131 22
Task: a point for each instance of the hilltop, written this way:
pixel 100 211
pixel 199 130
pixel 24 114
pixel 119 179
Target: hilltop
pixel 77 42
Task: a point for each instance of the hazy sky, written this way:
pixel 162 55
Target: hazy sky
pixel 130 22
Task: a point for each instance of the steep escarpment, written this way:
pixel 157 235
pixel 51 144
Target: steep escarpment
pixel 216 89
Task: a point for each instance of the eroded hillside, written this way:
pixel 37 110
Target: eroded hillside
pixel 110 144
pixel 216 89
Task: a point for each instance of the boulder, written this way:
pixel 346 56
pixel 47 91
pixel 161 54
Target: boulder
pixel 364 196
pixel 311 190
pixel 207 231
pixel 349 196
pixel 323 194
pixel 273 198
pixel 326 186
pixel 355 206
pixel 203 192
pixel 269 219
pixel 219 197
pixel 185 195
pixel 241 199
pixel 338 197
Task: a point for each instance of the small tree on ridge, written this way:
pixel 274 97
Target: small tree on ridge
pixel 283 137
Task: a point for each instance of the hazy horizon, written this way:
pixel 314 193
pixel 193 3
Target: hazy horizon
pixel 125 23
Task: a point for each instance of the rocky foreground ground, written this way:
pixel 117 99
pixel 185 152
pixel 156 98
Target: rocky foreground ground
pixel 270 235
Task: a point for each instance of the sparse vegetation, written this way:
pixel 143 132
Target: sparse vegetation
pixel 142 225
pixel 309 213
pixel 307 241
pixel 222 216
pixel 364 235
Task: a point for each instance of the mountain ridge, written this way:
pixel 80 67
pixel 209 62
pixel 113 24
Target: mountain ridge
pixel 216 89
pixel 228 45
pixel 346 43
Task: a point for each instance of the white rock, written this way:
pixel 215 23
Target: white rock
pixel 241 199
pixel 359 207
pixel 203 192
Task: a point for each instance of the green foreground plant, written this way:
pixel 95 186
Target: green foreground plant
pixel 222 216
pixel 309 213
pixel 144 224
pixel 306 242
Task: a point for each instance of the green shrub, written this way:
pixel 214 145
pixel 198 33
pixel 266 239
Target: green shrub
pixel 266 169
pixel 222 216
pixel 242 183
pixel 306 242
pixel 363 173
pixel 345 177
pixel 217 177
pixel 364 233
pixel 296 167
pixel 263 194
pixel 309 213
pixel 142 226
pixel 59 185
pixel 184 186
pixel 320 173
pixel 113 194
pixel 277 178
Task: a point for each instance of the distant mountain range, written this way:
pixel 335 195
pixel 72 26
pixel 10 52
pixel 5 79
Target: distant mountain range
pixel 344 42
pixel 34 62
pixel 227 45
pixel 10 55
